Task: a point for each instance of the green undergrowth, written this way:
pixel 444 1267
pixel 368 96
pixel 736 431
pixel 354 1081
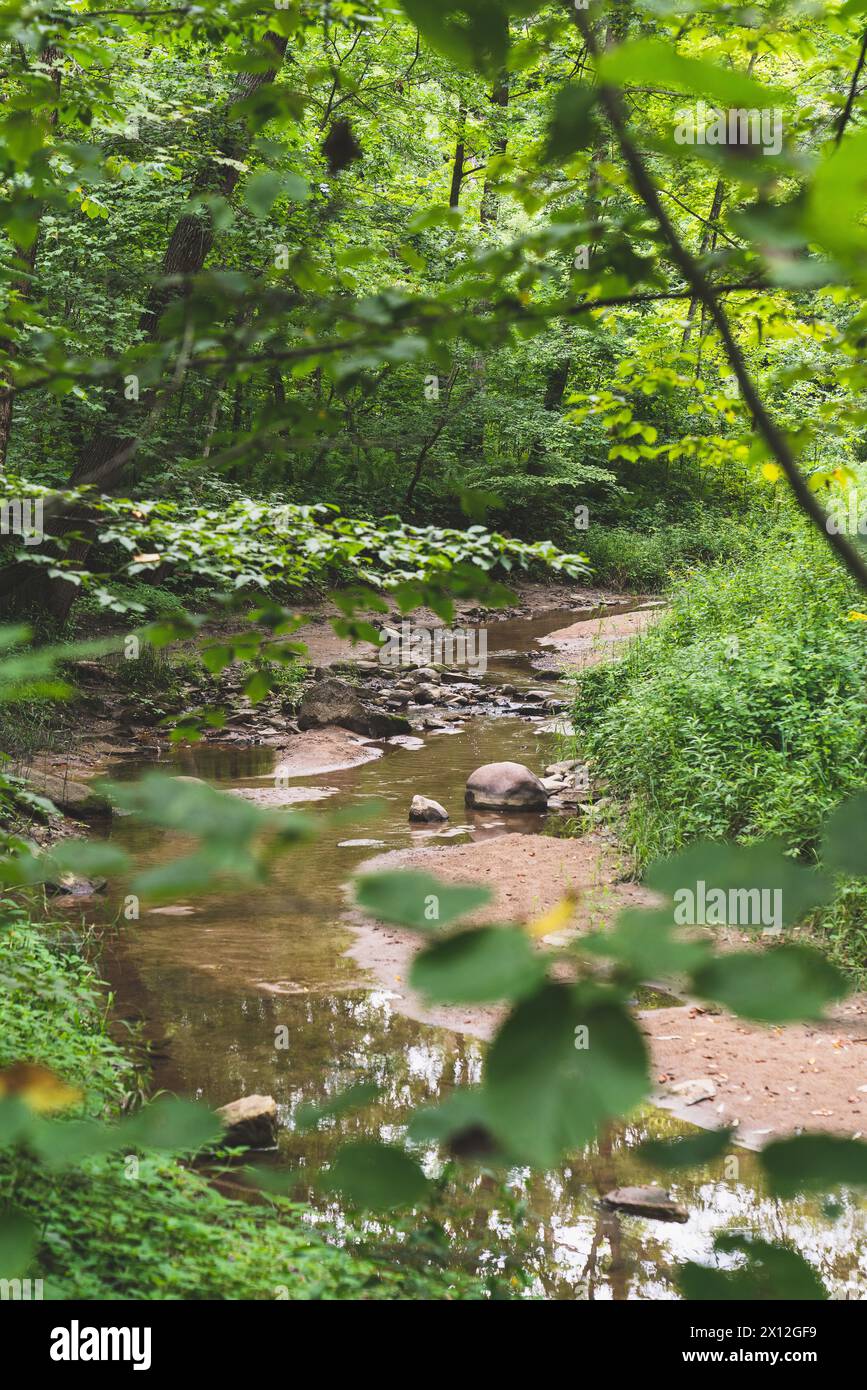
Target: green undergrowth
pixel 148 1226
pixel 741 715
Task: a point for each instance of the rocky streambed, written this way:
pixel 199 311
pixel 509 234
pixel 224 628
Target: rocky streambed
pixel 285 992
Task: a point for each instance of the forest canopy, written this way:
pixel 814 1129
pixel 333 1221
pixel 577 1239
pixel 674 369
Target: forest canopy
pixel 386 307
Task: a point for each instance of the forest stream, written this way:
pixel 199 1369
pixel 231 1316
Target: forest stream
pixel 223 982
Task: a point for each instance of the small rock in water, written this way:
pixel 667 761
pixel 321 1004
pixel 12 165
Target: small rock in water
pixel 408 741
pixel 652 1202
pixel 424 809
pixel 250 1122
pixel 691 1092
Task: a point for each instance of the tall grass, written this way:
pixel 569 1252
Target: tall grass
pixel 744 713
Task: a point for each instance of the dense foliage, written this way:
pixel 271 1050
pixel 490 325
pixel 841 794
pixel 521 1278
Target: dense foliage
pixel 401 298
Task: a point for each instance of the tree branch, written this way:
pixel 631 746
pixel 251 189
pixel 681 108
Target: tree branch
pixel 774 437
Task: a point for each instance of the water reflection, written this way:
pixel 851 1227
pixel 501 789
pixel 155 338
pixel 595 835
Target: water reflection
pixel 224 987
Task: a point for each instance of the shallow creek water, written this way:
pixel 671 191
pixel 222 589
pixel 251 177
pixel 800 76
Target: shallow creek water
pixel 218 983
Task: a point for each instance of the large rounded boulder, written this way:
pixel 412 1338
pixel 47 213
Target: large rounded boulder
pixel 506 787
pixel 332 701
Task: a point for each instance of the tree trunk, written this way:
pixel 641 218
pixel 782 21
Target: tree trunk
pixel 50 58
pixel 104 458
pixel 458 164
pixel 500 97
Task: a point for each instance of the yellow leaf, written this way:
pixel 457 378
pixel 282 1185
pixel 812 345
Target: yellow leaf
pixel 855 617
pixel 771 471
pixel 559 917
pixel 37 1087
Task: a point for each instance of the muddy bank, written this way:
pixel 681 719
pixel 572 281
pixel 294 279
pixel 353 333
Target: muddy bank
pixel 527 875
pixel 768 1081
pixel 531 600
pixel 765 1081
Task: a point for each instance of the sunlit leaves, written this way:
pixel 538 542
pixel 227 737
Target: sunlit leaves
pixel 657 63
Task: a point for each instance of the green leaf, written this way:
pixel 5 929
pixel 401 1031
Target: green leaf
pixel 752 885
pixel 16 1119
pixel 377 1177
pixel 264 188
pixel 778 986
pixel 353 1098
pixel 840 183
pixel 179 1126
pixel 411 899
pixel 658 64
pixel 462 1109
pixel 844 845
pixel 814 1163
pixel 646 944
pixel 64 1143
pixel 86 857
pixel 18 1237
pixel 546 1091
pixel 687 1151
pixel 277 1182
pixel 573 125
pixel 473 33
pixel 257 686
pixel 772 1272
pixel 478 966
